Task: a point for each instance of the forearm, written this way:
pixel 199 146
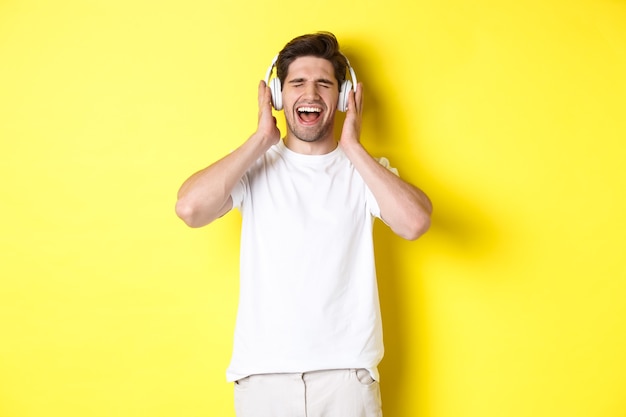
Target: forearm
pixel 205 195
pixel 403 207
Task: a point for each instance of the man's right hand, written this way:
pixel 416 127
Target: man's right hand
pixel 206 195
pixel 267 129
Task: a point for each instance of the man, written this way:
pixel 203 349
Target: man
pixel 308 337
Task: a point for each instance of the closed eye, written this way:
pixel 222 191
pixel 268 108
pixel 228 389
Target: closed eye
pixel 298 82
pixel 325 83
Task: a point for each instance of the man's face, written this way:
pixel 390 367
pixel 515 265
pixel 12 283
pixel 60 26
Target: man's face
pixel 310 95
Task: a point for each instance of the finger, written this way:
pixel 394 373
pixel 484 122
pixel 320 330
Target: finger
pixel 358 98
pixel 260 93
pixel 265 95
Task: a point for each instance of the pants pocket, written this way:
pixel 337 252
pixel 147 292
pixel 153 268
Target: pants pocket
pixel 364 377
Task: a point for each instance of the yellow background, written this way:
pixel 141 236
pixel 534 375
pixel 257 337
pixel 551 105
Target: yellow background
pixel 511 115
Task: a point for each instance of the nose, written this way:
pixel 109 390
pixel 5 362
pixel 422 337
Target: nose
pixel 311 90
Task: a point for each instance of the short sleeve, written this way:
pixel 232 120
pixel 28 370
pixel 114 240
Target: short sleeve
pixel 239 192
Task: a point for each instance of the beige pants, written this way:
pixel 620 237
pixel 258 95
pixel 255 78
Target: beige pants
pixel 334 393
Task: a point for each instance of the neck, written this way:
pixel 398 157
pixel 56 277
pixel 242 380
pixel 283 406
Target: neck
pixel 319 147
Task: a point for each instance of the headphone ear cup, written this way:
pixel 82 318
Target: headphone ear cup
pixel 277 93
pixel 342 104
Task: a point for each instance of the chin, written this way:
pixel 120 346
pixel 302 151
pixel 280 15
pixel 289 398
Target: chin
pixel 307 135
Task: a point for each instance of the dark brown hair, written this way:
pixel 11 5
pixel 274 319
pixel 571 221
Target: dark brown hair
pixel 321 45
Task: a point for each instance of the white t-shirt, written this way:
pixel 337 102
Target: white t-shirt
pixel 308 294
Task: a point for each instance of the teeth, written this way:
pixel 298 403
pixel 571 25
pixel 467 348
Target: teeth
pixel 309 110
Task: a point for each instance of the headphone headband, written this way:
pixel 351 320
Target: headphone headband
pixel 276 88
pixel 350 69
pixel 269 70
pixel 352 74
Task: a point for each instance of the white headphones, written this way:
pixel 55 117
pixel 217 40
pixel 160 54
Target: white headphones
pixel 276 88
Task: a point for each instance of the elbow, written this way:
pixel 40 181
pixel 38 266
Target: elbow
pixel 418 220
pixel 187 213
pixel 196 214
pixel 411 223
pixel 416 226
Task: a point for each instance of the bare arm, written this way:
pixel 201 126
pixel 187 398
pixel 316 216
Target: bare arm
pixel 205 196
pixel 404 207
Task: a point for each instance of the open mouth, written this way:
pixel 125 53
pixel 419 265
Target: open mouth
pixel 309 114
